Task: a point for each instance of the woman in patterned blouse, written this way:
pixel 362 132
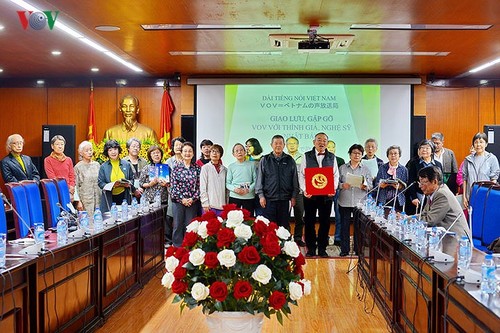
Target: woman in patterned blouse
pixel 185 192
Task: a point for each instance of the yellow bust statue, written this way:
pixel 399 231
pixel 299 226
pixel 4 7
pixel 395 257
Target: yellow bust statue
pixel 130 128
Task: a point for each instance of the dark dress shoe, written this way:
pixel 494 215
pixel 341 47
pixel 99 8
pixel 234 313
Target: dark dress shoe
pixel 323 254
pixel 336 243
pixel 311 254
pixel 343 254
pixel 300 243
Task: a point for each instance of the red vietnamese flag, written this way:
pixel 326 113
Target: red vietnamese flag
pixel 91 129
pixel 167 108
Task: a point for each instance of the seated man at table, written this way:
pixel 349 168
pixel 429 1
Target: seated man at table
pixel 442 208
pixel 16 166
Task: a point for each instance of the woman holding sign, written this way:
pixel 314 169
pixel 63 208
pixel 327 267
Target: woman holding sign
pixel 150 178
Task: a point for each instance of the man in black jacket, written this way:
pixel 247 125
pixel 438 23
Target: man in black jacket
pixel 16 166
pixel 322 204
pixel 277 183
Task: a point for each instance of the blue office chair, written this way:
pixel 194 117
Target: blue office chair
pixel 491 228
pixel 63 190
pixel 19 202
pixel 3 220
pixel 477 200
pixel 51 201
pixel 34 200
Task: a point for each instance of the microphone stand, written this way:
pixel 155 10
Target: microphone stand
pixel 403 191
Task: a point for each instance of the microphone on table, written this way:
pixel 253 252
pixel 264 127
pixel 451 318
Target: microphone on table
pixel 403 191
pixel 438 255
pixel 36 248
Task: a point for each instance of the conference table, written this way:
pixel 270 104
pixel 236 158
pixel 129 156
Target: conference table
pixel 75 287
pixel 416 294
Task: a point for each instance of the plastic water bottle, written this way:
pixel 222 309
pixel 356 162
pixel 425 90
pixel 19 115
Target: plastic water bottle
pixel 157 202
pixel 488 279
pixel 124 210
pixel 434 239
pixel 98 221
pixel 134 207
pixel 464 253
pixel 421 230
pixel 114 212
pixel 84 221
pixel 62 230
pixel 39 233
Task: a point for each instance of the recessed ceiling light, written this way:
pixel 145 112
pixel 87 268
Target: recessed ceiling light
pixel 1 70
pixel 40 82
pixel 56 53
pixel 121 82
pixel 94 69
pixel 2 27
pixel 393 53
pixel 210 26
pixel 107 28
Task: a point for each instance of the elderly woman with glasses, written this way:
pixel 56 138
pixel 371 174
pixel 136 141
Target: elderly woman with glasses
pixel 392 177
pixel 424 159
pixel 138 163
pixel 351 193
pixel 58 165
pixel 118 172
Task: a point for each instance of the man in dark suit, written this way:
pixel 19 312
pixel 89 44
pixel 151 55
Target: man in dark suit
pixel 322 204
pixel 16 166
pixel 441 208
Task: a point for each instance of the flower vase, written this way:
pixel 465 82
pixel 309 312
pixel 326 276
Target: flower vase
pixel 233 322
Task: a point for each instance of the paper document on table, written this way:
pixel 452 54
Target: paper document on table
pixel 354 180
pixel 372 166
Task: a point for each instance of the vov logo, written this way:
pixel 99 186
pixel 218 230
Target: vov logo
pixel 37 20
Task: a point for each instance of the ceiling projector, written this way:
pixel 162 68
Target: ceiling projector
pixel 314 46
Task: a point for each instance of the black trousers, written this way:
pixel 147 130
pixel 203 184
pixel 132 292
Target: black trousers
pixel 345 236
pixel 323 206
pixel 278 211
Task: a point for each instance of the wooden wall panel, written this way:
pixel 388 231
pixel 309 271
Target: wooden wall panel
pixel 454 112
pixel 105 108
pixel 486 106
pixel 24 111
pixel 419 100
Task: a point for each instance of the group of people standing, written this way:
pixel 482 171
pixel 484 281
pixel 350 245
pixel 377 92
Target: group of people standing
pixel 268 185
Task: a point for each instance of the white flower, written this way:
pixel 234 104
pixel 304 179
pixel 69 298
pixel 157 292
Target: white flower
pixel 167 280
pixel 199 291
pixel 193 226
pixel 262 219
pixel 171 263
pixel 234 218
pixel 291 248
pixel 283 233
pixel 295 290
pixel 227 258
pixel 307 286
pixel 220 219
pixel 243 231
pixel 262 274
pixel 197 257
pixel 202 230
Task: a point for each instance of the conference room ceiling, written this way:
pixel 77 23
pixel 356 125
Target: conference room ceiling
pixel 26 53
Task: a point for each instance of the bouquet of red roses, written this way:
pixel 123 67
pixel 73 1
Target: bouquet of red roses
pixel 236 263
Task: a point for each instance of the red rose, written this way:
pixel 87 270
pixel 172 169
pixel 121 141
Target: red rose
pixel 242 289
pixel 225 237
pixel 249 255
pixel 298 271
pixel 277 300
pixel 218 290
pixel 190 238
pixel 259 228
pixel 270 245
pixel 213 226
pixel 179 272
pixel 272 227
pixel 227 208
pixel 208 215
pixel 211 260
pixel 246 214
pixel 180 252
pixel 184 259
pixel 170 251
pixel 300 260
pixel 179 287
